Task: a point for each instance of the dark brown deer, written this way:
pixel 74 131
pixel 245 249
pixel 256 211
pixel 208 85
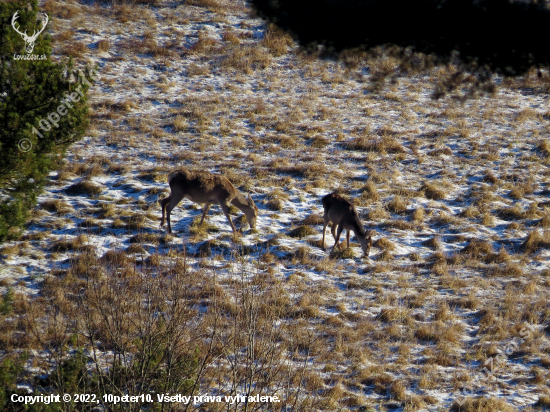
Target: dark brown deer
pixel 343 215
pixel 207 188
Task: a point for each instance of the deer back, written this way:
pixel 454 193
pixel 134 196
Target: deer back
pixel 201 187
pixel 342 212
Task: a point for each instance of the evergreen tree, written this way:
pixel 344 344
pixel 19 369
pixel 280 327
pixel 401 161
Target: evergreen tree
pixel 31 92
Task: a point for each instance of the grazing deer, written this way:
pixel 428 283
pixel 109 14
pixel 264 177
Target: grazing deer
pixel 343 215
pixel 207 188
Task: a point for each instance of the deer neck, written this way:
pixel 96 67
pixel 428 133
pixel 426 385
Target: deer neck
pixel 240 201
pixel 358 227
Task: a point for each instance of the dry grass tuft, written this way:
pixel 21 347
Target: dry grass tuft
pixel 135 248
pixel 477 248
pixel 65 245
pixel 385 244
pixel 544 148
pixel 515 212
pixel 346 253
pixel 74 49
pixel 84 188
pixel 543 401
pixel 383 145
pixel 490 178
pixel 213 5
pixel 431 191
pixel 276 40
pixel 378 213
pixel 536 241
pixel 397 205
pixel 57 206
pixel 482 405
pixel 103 45
pixel 369 192
pixel 313 220
pixel 434 242
pixel 144 238
pixel 302 231
pixel 418 214
pixel 247 58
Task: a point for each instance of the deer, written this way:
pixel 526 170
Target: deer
pixel 343 215
pixel 208 188
pixel 29 40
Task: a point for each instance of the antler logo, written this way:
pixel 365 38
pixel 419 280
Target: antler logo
pixel 29 40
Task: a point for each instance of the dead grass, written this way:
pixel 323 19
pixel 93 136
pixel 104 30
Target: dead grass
pixel 302 231
pixel 103 45
pixel 276 40
pixel 544 148
pixel 57 206
pixel 369 192
pixel 432 191
pixel 383 145
pixel 385 244
pixel 396 205
pixel 213 5
pixel 84 188
pixel 536 241
pixel 482 405
pixel 418 214
pixel 65 245
pixel 247 58
pixel 74 49
pixel 288 129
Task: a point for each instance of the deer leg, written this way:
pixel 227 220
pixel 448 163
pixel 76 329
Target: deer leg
pixel 163 203
pixel 348 238
pixel 225 209
pixel 337 237
pixel 333 231
pixel 171 204
pixel 324 230
pixel 205 211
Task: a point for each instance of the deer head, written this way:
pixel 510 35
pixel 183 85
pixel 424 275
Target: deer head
pixel 29 40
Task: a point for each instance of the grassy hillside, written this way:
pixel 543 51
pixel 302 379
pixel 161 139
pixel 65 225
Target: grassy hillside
pixel 455 192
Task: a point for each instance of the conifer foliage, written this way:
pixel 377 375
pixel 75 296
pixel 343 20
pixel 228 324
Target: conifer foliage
pixel 30 91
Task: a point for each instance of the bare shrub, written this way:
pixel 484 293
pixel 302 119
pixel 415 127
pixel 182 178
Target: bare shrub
pixel 155 337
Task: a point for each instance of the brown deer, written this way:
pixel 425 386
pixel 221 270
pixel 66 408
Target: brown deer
pixel 207 188
pixel 343 215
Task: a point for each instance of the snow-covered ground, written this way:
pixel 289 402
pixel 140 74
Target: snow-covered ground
pixel 458 189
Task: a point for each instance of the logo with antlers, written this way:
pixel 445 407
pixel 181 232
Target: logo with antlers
pixel 29 40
